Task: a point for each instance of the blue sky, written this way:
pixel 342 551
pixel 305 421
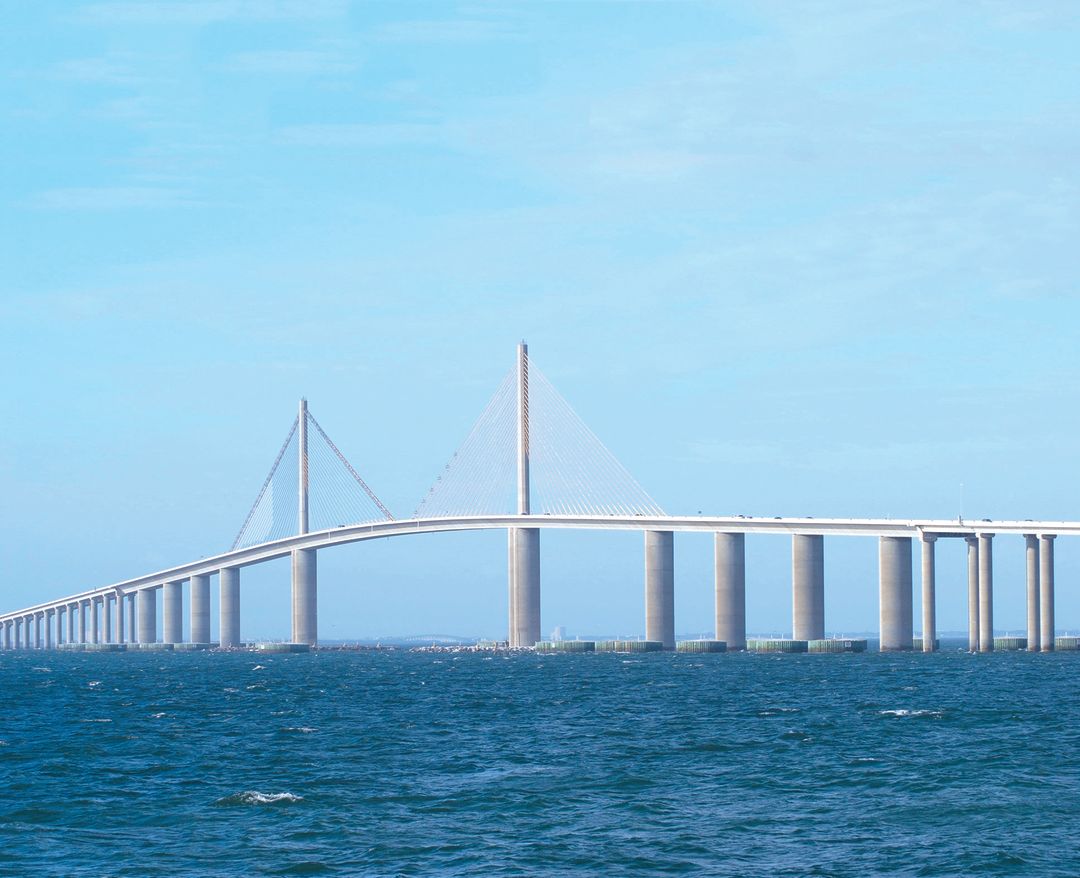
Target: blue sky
pixel 784 258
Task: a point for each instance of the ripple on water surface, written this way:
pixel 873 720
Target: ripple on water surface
pixel 397 763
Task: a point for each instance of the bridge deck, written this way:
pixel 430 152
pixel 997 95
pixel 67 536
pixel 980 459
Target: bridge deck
pixel 865 527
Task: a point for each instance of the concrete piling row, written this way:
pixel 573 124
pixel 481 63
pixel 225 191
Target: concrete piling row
pixel 131 617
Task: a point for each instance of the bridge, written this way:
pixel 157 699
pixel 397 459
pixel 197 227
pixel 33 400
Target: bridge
pixel 530 464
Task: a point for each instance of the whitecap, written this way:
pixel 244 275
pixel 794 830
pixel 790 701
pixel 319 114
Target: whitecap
pixel 157 715
pixel 43 670
pixel 903 712
pixel 106 720
pixel 93 684
pixel 259 668
pixel 254 797
pixel 303 730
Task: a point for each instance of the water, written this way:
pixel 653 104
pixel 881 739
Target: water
pixel 428 764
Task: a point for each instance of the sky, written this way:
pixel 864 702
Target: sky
pixel 784 258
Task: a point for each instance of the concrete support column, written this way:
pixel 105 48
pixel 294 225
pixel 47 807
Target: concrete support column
pixel 147 608
pixel 95 622
pixel 71 623
pixel 119 605
pixel 48 623
pixel 172 609
pixel 83 605
pixel 7 634
pixel 39 641
pixel 305 597
pixel 16 628
pixel 1046 592
pixel 199 605
pixel 894 566
pixel 523 553
pixel 986 593
pixel 730 561
pixel 107 618
pixel 60 613
pixel 807 587
pixel 1031 557
pixel 229 582
pixel 973 593
pixel 133 631
pixel 660 587
pixel 929 594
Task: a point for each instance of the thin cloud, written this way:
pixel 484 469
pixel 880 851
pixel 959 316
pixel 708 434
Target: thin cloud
pixel 470 30
pixel 201 12
pixel 96 71
pixel 91 198
pixel 292 62
pixel 357 135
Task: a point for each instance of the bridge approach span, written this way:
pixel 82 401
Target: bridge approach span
pixel 864 527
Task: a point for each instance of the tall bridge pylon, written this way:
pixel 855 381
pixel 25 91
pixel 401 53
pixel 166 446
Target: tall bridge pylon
pixel 530 454
pixel 328 492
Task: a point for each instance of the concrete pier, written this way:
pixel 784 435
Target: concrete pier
pixel 82 620
pixel 119 604
pixel 1031 557
pixel 133 631
pixel 807 587
pixel 730 563
pixel 107 620
pixel 60 625
pixel 229 628
pixel 305 597
pixel 1047 641
pixel 48 625
pixel 199 608
pixel 660 587
pixel 95 621
pixel 973 593
pixel 147 609
pixel 929 594
pixel 524 572
pixel 986 593
pixel 71 623
pixel 895 584
pixel 172 610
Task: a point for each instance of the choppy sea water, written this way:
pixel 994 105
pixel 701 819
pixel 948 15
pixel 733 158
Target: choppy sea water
pixel 435 764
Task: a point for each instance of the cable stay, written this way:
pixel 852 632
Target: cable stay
pixel 571 471
pixel 337 495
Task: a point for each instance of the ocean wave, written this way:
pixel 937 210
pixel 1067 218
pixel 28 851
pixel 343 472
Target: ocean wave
pixel 903 712
pixel 301 730
pixel 254 797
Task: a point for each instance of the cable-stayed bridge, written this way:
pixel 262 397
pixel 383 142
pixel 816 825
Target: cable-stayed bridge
pixel 528 464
